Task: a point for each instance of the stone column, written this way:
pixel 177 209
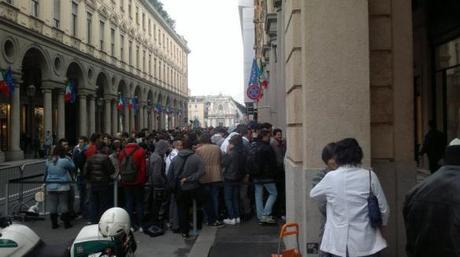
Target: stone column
pixel 162 120
pixel 92 115
pixel 126 119
pixel 115 128
pixel 14 152
pixel 132 119
pixel 48 109
pixel 107 115
pixel 61 114
pixel 146 118
pixel 83 115
pixel 141 116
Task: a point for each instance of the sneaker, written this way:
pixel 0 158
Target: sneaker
pixel 216 224
pixel 141 230
pixel 238 220
pixel 230 221
pixel 268 220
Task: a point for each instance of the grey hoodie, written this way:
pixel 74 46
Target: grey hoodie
pixel 193 169
pixel 156 170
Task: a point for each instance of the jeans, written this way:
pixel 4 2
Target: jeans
pixel 211 206
pixel 232 199
pixel 134 196
pixel 58 201
pixel 81 184
pixel 99 202
pixel 273 194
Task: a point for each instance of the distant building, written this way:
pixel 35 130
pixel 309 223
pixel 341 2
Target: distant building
pixel 215 111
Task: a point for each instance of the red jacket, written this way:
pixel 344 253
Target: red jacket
pixel 90 151
pixel 139 159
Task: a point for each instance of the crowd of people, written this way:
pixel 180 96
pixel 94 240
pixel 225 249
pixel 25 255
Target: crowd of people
pixel 231 174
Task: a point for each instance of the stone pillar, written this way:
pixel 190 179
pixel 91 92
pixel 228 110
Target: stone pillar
pixel 61 114
pixel 132 120
pixel 14 152
pixel 83 115
pixel 341 44
pixel 92 115
pixel 48 110
pixel 126 119
pixel 146 118
pixel 141 116
pixel 162 124
pixel 115 128
pixel 107 115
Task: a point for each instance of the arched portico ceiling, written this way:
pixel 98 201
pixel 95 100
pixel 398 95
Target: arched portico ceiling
pixel 102 84
pixel 75 73
pixel 122 88
pixel 35 55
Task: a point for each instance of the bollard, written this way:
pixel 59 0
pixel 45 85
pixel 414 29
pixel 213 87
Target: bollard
pixel 7 198
pixel 195 220
pixel 115 193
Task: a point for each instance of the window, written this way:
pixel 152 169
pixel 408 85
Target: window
pixel 137 57
pixel 74 19
pixel 137 15
pixel 35 7
pixel 130 53
pixel 150 64
pixel 122 3
pixel 101 35
pixel 89 22
pixel 150 28
pixel 155 32
pixel 155 67
pixel 57 13
pixel 143 61
pixel 112 42
pixel 129 9
pixel 122 46
pixel 143 21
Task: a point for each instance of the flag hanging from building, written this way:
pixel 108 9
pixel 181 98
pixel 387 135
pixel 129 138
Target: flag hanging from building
pixel 6 82
pixel 263 81
pixel 254 89
pixel 135 104
pixel 158 108
pixel 70 95
pixel 121 102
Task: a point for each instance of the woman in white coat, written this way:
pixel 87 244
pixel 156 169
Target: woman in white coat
pixel 348 231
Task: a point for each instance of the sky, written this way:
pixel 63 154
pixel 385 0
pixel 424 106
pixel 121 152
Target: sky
pixel 213 32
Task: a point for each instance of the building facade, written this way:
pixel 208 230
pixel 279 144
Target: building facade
pixel 375 70
pixel 107 49
pixel 216 111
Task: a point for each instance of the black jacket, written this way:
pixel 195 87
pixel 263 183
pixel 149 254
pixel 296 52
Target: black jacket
pixel 192 172
pixel 234 164
pixel 432 215
pixel 266 163
pixel 98 169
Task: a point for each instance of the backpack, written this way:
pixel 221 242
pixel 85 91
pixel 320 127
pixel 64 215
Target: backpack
pixel 128 168
pixel 252 165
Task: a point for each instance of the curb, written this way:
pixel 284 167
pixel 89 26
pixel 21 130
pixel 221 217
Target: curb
pixel 204 242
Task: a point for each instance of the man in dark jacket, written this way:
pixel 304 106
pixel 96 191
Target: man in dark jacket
pixel 97 172
pixel 157 183
pixel 432 210
pixel 264 177
pixel 187 168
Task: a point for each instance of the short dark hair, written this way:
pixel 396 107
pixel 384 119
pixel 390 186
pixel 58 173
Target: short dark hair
pixel 267 125
pixel 85 139
pixel 277 130
pixel 131 140
pixel 328 152
pixel 348 152
pixel 189 140
pixel 264 132
pixel 94 137
pixel 205 138
pixel 236 140
pixel 100 146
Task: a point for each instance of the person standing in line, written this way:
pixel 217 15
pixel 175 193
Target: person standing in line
pixel 157 182
pixel 48 143
pixel 432 210
pixel 187 168
pixel 279 147
pixel 173 212
pixel 234 166
pixel 79 159
pixel 58 169
pixel 212 179
pixel 348 230
pixel 98 172
pixel 133 157
pixel 434 145
pixel 264 177
pixel 328 156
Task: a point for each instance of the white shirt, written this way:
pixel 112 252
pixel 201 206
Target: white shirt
pixel 347 226
pixel 226 142
pixel 169 158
